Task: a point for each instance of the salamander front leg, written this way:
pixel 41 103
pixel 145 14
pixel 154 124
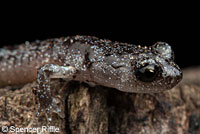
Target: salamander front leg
pixel 44 96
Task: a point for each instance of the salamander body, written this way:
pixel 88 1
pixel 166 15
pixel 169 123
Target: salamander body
pixel 126 67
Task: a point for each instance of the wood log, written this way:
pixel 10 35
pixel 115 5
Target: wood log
pixel 102 110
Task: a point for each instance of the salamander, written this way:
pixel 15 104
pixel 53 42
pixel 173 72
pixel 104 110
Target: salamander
pixel 126 67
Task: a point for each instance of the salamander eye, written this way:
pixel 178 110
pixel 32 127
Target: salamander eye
pixel 147 72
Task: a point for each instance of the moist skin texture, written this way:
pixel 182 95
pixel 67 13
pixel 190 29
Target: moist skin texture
pixel 126 67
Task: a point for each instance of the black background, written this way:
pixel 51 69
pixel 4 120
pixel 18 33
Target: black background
pixel 179 28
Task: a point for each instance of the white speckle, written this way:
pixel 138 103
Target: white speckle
pixel 49 119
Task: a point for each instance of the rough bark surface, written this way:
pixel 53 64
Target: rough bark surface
pixel 101 110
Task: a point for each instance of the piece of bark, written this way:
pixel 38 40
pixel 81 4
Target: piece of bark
pixel 101 110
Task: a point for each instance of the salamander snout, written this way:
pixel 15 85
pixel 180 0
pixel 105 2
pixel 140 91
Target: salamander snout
pixel 156 74
pixel 156 70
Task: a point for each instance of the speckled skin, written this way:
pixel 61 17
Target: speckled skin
pixel 88 59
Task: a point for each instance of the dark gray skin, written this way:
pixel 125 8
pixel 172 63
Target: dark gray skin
pixel 123 66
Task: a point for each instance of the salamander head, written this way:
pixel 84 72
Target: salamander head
pixel 154 70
